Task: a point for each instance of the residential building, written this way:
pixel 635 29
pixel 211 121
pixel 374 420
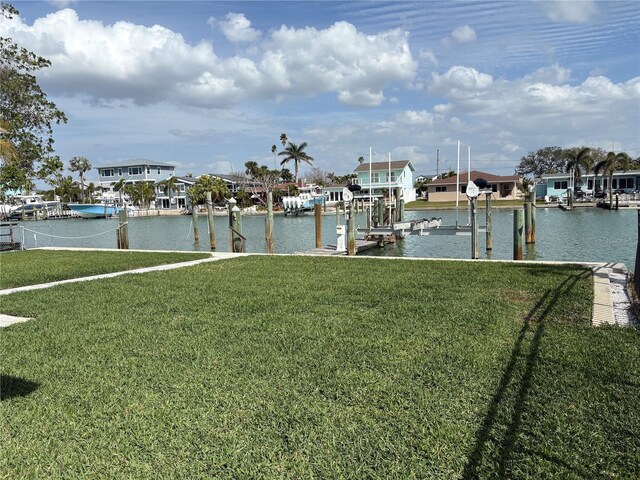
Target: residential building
pixel 444 189
pixel 175 198
pixel 557 184
pixel 133 171
pixel 385 176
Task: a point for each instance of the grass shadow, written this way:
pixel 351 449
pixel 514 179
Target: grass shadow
pixel 11 387
pixel 490 428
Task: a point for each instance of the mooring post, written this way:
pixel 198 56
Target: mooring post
pixel 317 210
pixel 527 222
pixel 397 205
pixel 194 214
pixel 636 275
pixel 268 227
pixel 489 221
pixel 381 211
pixel 123 230
pixel 337 207
pixel 532 201
pixel 518 233
pixel 231 205
pixel 474 228
pixel 351 231
pixel 212 235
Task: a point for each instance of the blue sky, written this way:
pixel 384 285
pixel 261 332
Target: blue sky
pixel 210 85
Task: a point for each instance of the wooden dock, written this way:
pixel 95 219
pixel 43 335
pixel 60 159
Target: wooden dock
pixel 330 250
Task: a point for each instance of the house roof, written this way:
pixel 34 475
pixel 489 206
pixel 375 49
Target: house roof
pixel 384 166
pixel 475 174
pixel 136 163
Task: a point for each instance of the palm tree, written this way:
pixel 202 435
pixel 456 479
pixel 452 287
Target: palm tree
pixel 119 187
pixel 578 159
pixel 296 154
pixel 611 164
pixel 283 139
pixel 168 186
pixel 66 188
pixel 219 189
pixel 274 149
pixel 81 165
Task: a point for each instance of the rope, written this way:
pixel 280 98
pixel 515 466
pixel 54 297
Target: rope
pixel 71 238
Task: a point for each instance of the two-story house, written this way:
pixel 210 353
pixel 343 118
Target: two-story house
pixel 132 172
pixel 387 176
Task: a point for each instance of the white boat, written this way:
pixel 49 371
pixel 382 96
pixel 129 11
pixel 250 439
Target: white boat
pixel 26 206
pixel 307 197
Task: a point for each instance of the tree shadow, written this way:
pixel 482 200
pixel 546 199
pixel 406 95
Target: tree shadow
pixel 15 387
pixel 491 427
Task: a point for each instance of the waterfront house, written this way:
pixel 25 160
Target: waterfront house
pixel 557 184
pixel 177 198
pixel 133 172
pixel 444 189
pixel 385 176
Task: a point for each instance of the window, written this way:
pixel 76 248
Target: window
pixel 119 172
pixel 463 189
pixel 625 183
pixel 107 172
pixel 375 177
pixel 393 177
pixel 158 170
pixel 181 187
pixel 135 171
pixel 494 187
pixel 148 170
pixel 560 185
pixel 441 188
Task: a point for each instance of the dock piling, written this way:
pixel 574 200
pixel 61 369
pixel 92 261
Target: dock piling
pixel 351 231
pixel 212 235
pixel 518 233
pixel 271 244
pixel 194 214
pixel 489 221
pixel 317 210
pixel 123 230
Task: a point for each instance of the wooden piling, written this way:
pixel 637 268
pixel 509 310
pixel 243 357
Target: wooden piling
pixel 317 210
pixel 527 222
pixel 381 211
pixel 636 274
pixel 123 230
pixel 212 235
pixel 194 214
pixel 532 200
pixel 397 204
pixel 518 234
pixel 351 231
pixel 489 222
pixel 268 229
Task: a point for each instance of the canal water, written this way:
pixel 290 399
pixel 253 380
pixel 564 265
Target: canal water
pixel 585 234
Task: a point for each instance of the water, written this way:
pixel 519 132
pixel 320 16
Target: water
pixel 585 234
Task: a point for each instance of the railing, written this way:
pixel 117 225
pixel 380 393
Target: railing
pixel 237 242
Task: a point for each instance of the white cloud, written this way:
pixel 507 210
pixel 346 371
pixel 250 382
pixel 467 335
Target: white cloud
pixel 152 64
pixel 429 56
pixel 554 74
pixel 463 34
pixel 570 11
pixel 460 81
pixel 236 28
pixel 413 117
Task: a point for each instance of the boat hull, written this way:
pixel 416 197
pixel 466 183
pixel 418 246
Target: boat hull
pixel 96 210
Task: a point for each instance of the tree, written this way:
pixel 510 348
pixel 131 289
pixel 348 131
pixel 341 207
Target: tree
pixel 578 160
pixel 169 186
pixel 610 165
pixel 67 189
pixel 286 176
pixel 317 176
pixel 360 160
pixel 262 179
pixel 119 187
pixel 274 149
pixel 544 160
pixel 80 165
pixel 207 183
pixel 296 154
pixel 283 139
pixel 25 109
pixel 8 151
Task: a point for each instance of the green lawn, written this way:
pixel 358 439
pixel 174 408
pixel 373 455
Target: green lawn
pixel 298 367
pixel 31 267
pixel 422 204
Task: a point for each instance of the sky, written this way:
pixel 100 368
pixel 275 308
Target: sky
pixel 208 86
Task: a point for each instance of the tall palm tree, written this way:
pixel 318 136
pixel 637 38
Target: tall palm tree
pixel 274 149
pixel 578 161
pixel 610 165
pixel 283 139
pixel 80 165
pixel 296 154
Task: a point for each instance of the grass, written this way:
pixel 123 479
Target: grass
pixel 31 267
pixel 297 367
pixel 422 204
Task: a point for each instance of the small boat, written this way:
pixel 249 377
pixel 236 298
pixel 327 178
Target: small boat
pixel 307 197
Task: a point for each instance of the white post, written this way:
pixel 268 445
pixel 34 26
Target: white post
pixel 390 219
pixel 468 180
pixel 370 191
pixel 457 184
